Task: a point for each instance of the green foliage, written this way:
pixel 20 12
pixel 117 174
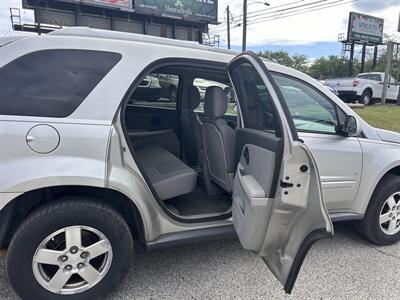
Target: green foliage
pixel 381 116
pixel 332 66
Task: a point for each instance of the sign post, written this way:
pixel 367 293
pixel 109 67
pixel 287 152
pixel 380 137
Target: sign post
pixel 388 64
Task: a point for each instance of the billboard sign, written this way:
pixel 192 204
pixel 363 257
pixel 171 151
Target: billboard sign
pixel 188 10
pixel 116 4
pixel 365 28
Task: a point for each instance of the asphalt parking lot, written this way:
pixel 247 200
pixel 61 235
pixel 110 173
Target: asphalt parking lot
pixel 343 267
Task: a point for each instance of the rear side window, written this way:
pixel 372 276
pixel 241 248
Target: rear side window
pixel 52 83
pixel 157 90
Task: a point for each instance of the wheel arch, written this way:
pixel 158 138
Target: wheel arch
pixel 393 170
pixel 369 90
pixel 13 214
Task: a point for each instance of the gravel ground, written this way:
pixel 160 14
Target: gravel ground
pixel 343 267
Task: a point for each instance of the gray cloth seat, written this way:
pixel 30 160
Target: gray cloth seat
pixel 191 125
pixel 169 176
pixel 218 139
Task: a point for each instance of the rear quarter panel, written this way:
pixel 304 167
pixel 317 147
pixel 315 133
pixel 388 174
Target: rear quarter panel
pixel 79 158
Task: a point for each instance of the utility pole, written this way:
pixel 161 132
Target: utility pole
pixel 228 26
pixel 244 25
pixel 350 66
pixel 388 65
pixel 375 58
pixel 364 48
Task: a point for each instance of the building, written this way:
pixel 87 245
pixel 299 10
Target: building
pixel 176 19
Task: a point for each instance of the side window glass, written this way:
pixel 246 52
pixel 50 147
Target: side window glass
pixel 311 111
pixel 157 90
pixel 376 77
pixel 52 83
pixel 202 84
pixel 256 103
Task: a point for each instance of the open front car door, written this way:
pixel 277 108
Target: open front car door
pixel 277 209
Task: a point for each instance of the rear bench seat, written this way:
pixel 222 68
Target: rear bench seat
pixel 168 174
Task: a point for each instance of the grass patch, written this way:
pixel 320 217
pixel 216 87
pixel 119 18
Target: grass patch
pixel 385 117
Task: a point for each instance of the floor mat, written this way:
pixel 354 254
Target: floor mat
pixel 198 202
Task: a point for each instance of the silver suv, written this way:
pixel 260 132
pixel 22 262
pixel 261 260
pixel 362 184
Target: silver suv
pixel 91 167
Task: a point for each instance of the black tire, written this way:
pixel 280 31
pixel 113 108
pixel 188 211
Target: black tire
pixel 54 216
pixel 366 98
pixel 370 227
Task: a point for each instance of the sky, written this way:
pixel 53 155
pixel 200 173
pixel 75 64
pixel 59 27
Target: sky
pixel 314 33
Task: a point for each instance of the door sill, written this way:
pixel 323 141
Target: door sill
pixel 345 216
pixel 192 236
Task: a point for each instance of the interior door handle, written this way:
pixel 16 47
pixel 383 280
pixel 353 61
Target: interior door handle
pixel 246 155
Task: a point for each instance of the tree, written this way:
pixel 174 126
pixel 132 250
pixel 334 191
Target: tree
pixel 300 62
pixel 332 66
pixel 297 61
pixel 280 57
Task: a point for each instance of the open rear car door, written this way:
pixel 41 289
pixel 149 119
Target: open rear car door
pixel 277 209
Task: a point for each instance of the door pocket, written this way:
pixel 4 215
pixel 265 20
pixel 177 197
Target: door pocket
pixel 249 204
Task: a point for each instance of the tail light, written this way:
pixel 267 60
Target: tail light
pixel 355 82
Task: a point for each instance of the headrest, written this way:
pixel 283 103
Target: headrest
pixel 215 102
pixel 192 99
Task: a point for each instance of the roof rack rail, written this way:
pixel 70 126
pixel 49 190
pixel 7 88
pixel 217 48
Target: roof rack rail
pixel 125 36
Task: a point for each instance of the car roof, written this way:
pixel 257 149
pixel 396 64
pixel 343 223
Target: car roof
pixel 370 73
pixel 4 40
pixel 134 37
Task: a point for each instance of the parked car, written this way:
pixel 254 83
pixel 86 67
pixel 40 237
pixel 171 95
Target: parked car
pixel 169 85
pixel 86 174
pixel 365 87
pixel 149 89
pixel 331 89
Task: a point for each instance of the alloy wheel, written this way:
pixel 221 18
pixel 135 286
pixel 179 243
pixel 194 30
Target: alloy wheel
pixel 72 260
pixel 367 99
pixel 389 218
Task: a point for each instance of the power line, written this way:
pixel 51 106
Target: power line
pixel 294 13
pixel 315 5
pixel 282 10
pixel 275 11
pixel 300 12
pixel 267 9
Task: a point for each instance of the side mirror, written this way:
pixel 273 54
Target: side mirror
pixel 351 126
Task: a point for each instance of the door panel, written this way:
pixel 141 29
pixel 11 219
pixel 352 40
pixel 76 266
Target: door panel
pixel 392 91
pixel 253 184
pixel 277 208
pixel 340 163
pixel 153 126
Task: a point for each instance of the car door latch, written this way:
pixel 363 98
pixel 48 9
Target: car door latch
pixel 286 185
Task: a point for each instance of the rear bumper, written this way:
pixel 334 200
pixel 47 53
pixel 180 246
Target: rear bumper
pixel 348 95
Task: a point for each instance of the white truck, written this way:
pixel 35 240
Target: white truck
pixel 365 87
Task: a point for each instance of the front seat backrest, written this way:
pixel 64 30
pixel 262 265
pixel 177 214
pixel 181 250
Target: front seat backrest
pixel 191 125
pixel 219 139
